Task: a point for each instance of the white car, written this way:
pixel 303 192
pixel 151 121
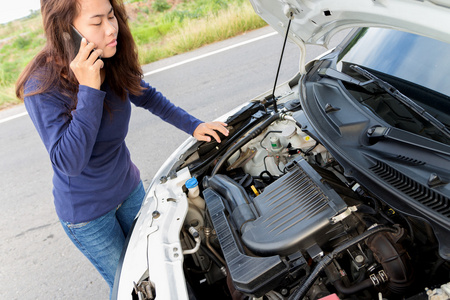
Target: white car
pixel 333 186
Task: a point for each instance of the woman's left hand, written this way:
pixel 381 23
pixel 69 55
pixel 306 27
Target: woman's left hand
pixel 205 131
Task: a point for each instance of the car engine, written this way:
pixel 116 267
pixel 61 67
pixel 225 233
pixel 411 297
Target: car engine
pixel 277 217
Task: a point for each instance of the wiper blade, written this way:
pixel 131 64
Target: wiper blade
pixel 332 73
pixel 396 94
pixel 403 99
pixel 394 134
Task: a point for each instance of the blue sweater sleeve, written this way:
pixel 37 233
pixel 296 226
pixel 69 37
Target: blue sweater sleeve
pixel 156 103
pixel 68 136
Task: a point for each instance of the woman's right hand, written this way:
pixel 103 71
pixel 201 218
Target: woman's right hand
pixel 86 66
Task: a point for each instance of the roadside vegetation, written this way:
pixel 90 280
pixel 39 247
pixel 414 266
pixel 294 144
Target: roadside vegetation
pixel 161 28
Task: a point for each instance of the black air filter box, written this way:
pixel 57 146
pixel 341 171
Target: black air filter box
pixel 251 275
pixel 295 212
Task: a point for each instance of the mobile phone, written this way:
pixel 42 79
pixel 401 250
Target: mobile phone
pixel 76 38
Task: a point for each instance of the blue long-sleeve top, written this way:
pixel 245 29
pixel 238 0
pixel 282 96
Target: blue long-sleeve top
pixel 93 172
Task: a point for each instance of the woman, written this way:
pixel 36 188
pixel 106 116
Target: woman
pixel 79 100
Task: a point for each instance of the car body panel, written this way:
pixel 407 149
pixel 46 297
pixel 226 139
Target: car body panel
pixel 315 22
pixel 155 225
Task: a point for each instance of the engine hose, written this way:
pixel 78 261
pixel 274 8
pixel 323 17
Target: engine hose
pixel 394 259
pixel 361 275
pixel 254 133
pixel 222 148
pixel 237 200
pixel 300 292
pixel 339 285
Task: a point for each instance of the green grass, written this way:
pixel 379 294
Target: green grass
pixel 159 29
pixel 196 32
pixel 19 43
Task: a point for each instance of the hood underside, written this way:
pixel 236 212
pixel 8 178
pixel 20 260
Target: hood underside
pixel 315 22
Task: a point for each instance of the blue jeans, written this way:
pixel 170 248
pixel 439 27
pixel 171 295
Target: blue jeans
pixel 102 239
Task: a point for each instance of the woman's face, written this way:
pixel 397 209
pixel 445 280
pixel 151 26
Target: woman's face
pixel 97 23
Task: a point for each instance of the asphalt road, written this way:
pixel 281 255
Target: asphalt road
pixel 37 259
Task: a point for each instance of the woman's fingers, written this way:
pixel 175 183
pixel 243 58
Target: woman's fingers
pixel 205 131
pixel 86 65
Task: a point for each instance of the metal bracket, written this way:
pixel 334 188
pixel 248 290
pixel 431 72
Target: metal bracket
pixel 343 215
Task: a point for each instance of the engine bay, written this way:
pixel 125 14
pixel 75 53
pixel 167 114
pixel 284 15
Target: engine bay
pixel 272 215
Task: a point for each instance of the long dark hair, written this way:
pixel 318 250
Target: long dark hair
pixel 51 65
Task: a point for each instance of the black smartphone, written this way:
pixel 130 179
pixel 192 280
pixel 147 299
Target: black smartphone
pixel 76 38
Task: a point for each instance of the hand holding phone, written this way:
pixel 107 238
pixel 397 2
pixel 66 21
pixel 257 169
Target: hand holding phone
pixel 86 65
pixel 76 38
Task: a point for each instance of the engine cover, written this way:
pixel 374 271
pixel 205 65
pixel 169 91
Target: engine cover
pixel 251 275
pixel 295 212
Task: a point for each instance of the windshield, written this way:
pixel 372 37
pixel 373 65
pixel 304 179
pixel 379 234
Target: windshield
pixel 421 60
pixel 417 66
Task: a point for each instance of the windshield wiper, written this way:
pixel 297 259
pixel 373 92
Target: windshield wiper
pixel 396 94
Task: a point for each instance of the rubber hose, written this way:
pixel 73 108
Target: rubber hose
pixel 394 259
pixel 339 285
pixel 254 133
pixel 222 148
pixel 300 292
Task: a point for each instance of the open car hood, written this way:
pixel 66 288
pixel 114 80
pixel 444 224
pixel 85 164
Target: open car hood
pixel 316 21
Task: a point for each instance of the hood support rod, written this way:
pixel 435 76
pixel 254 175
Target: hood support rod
pixel 291 15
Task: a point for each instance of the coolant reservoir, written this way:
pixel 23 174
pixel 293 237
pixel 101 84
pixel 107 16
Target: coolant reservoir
pixel 298 140
pixel 194 194
pixel 275 144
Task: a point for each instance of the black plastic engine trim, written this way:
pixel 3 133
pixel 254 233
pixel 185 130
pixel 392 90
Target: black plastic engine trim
pixel 294 212
pixel 251 275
